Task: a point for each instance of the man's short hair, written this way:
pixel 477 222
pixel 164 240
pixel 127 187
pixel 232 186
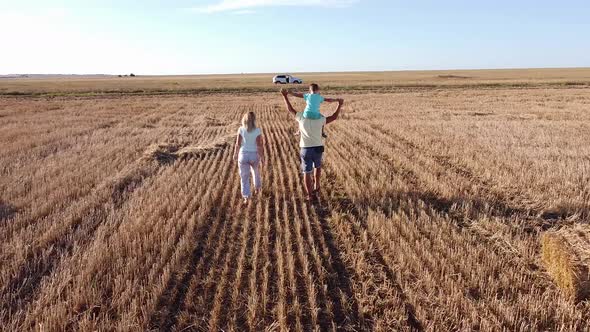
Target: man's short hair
pixel 314 87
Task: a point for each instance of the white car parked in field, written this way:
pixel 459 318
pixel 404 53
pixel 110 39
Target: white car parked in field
pixel 286 79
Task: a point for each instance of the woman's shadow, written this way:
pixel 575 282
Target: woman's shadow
pixel 7 211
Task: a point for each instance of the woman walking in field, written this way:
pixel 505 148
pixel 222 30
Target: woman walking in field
pixel 249 154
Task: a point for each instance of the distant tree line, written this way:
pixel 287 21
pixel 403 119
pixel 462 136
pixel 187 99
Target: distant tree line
pixel 130 75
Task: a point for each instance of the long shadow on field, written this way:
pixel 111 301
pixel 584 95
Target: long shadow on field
pixel 7 211
pixel 503 205
pixel 494 207
pixel 499 204
pixel 171 302
pixel 339 201
pixel 463 209
pixel 342 280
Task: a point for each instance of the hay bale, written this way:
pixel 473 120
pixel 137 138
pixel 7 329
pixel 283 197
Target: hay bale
pixel 566 256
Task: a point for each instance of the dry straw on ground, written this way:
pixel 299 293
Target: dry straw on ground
pixel 166 153
pixel 566 255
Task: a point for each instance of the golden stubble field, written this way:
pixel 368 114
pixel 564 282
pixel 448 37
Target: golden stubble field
pixel 250 83
pixel 122 212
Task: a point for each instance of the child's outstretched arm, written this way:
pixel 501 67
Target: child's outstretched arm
pixel 295 94
pixel 290 108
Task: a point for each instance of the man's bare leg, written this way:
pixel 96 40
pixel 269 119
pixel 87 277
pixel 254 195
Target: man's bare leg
pixel 308 180
pixel 317 172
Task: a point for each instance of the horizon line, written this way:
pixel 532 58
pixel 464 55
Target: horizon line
pixel 298 72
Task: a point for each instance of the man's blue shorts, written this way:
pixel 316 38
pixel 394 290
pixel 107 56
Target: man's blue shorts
pixel 311 158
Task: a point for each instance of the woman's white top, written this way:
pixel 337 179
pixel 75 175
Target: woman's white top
pixel 249 139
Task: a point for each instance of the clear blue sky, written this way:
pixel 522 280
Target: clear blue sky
pixel 235 36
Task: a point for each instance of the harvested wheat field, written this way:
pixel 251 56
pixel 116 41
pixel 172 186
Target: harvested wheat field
pixel 123 212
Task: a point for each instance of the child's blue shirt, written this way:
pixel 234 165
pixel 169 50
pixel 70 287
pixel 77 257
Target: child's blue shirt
pixel 312 110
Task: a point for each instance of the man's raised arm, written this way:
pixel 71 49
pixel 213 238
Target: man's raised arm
pixel 290 108
pixel 335 115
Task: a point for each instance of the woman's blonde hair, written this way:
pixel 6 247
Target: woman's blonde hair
pixel 249 121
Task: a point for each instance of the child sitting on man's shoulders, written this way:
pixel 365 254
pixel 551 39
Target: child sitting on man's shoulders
pixel 313 100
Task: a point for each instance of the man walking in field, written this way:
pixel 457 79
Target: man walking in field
pixel 312 145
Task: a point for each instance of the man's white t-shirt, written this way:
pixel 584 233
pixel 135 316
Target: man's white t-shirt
pixel 311 131
pixel 249 139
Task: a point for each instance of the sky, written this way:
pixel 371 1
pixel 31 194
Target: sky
pixel 153 37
